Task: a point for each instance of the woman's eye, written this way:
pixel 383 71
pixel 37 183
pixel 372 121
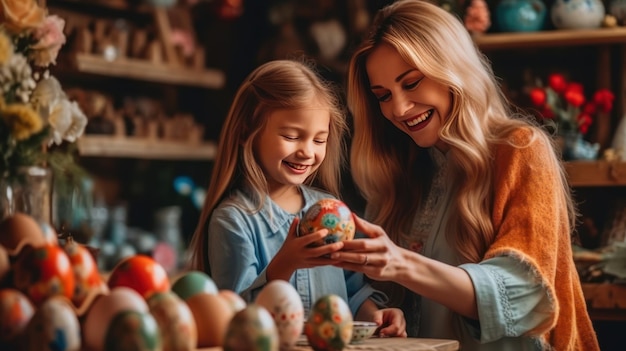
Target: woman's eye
pixel 413 85
pixel 383 97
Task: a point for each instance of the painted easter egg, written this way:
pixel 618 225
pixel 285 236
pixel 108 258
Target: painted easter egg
pixel 177 325
pixel 16 310
pixel 43 272
pixel 133 330
pixel 141 273
pixel 285 305
pixel 331 214
pixel 252 329
pixel 54 327
pixel 329 327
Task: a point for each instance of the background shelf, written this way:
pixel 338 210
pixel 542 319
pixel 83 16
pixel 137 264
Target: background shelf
pixel 154 149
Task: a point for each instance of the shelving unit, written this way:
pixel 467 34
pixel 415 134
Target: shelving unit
pixel 143 70
pixel 562 37
pixel 147 149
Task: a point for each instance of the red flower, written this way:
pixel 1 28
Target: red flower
pixel 574 95
pixel 557 82
pixel 603 98
pixel 584 121
pixel 538 97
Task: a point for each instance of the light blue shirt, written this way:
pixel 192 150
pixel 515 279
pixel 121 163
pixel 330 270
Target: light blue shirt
pixel 242 243
pixel 511 301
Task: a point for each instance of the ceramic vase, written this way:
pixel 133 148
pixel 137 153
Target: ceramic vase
pixel 577 14
pixel 520 15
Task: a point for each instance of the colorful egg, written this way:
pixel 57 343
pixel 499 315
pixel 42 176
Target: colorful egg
pixel 43 272
pixel 141 273
pixel 16 312
pixel 252 329
pixel 235 301
pixel 131 331
pixel 285 305
pixel 192 283
pixel 176 322
pixel 102 312
pixel 329 327
pixel 87 277
pixel 54 327
pixel 331 214
pixel 212 314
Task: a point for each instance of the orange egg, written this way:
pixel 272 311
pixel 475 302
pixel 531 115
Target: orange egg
pixel 86 274
pixel 43 272
pixel 212 314
pixel 140 273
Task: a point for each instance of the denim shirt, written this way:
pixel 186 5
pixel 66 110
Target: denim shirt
pixel 242 243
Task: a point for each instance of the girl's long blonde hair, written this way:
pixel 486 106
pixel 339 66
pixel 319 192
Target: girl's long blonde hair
pixel 279 84
pixel 390 170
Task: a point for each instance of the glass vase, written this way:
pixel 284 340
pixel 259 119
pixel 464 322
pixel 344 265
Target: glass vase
pixel 29 191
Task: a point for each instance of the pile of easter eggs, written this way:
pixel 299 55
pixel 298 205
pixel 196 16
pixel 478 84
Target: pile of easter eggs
pixel 52 297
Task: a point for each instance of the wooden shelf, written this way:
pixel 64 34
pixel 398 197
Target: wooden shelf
pixel 605 301
pixel 596 173
pixel 147 71
pixel 553 38
pixel 155 149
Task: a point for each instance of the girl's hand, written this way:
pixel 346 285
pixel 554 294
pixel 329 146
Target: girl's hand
pixel 297 253
pixel 377 256
pixel 390 322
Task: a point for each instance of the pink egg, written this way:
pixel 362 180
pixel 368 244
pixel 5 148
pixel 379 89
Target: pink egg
pixel 104 309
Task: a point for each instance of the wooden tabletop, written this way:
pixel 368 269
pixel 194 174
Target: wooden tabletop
pixel 384 344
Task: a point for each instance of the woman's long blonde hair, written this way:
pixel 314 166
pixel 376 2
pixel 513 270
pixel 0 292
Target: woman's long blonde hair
pixel 390 170
pixel 279 84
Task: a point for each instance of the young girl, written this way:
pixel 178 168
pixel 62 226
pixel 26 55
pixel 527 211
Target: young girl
pixel 283 131
pixel 475 203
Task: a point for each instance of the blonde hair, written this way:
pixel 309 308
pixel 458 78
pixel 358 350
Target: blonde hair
pixel 279 84
pixel 384 160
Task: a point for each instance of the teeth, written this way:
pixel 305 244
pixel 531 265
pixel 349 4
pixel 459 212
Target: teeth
pixel 419 119
pixel 297 166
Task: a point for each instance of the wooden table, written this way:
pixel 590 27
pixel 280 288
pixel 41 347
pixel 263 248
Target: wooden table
pixel 383 344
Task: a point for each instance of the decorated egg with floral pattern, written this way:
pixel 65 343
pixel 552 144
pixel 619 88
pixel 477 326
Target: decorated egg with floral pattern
pixel 54 327
pixel 329 327
pixel 16 310
pixel 331 214
pixel 88 280
pixel 283 302
pixel 133 330
pixel 43 272
pixel 252 329
pixel 176 323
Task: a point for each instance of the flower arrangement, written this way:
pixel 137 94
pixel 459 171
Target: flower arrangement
pixel 565 104
pixel 36 116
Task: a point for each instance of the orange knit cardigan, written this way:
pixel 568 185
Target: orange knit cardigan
pixel 541 237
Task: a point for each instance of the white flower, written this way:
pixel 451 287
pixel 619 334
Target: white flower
pixel 67 120
pixel 64 116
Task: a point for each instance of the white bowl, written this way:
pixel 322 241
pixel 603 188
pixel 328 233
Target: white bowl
pixel 362 331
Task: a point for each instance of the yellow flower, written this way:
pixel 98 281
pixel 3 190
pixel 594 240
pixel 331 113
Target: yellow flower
pixel 21 15
pixel 22 120
pixel 6 48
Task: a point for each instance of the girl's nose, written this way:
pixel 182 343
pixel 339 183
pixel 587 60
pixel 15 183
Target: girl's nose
pixel 305 150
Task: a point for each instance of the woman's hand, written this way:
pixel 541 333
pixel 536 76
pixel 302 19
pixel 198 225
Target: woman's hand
pixel 390 322
pixel 297 253
pixel 377 256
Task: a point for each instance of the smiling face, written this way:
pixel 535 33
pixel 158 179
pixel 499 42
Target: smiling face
pixel 411 101
pixel 292 145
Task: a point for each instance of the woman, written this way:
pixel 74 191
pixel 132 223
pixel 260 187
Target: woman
pixel 472 209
